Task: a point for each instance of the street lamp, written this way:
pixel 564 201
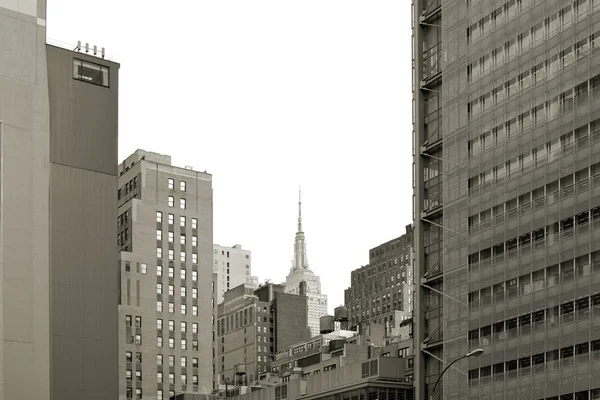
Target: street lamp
pixel 472 353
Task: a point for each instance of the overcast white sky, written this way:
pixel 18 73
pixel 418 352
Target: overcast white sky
pixel 267 96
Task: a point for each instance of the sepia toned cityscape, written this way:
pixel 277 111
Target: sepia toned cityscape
pixel 490 292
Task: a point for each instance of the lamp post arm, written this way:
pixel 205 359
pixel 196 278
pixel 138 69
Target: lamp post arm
pixel 444 371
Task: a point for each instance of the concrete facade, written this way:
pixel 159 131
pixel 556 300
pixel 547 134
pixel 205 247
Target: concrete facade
pixel 25 327
pixel 84 286
pixel 506 198
pixel 58 296
pixel 166 307
pixel 382 291
pixel 233 266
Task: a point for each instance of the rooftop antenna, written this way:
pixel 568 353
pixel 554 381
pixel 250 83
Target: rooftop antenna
pixel 103 52
pixel 78 47
pixel 95 50
pixel 87 47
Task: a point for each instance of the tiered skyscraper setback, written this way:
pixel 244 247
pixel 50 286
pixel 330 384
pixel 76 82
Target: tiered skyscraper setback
pixel 301 280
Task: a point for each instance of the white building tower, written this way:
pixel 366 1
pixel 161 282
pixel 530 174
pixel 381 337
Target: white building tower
pixel 299 273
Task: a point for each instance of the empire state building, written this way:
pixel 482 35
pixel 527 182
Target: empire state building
pixel 302 280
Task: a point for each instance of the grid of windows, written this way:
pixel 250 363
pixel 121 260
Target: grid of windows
pixel 506 205
pixel 166 343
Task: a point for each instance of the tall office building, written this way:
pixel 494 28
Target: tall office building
pixel 506 207
pixel 303 281
pixel 233 266
pixel 166 308
pixel 381 292
pixel 58 158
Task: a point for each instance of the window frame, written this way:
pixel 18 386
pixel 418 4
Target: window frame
pixel 102 69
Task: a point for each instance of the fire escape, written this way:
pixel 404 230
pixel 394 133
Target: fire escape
pixel 430 152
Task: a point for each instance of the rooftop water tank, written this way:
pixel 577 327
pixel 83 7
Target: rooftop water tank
pixel 341 313
pixel 326 324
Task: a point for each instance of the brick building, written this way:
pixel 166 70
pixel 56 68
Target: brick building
pixel 251 326
pixel 381 292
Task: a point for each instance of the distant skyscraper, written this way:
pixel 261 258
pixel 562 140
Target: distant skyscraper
pixel 166 303
pixel 58 170
pixel 233 266
pixel 317 302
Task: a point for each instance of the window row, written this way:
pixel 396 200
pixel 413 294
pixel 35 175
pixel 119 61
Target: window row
pixel 533 76
pixel 536 362
pixel 182 275
pixel 182 289
pixel 138 321
pixel 536 158
pixel 129 393
pixel 509 10
pixel 171 308
pixel 262 349
pixel 539 197
pixel 122 237
pixel 134 339
pixel 593 394
pixel 123 219
pixel 541 320
pixel 171 361
pixel 513 124
pixel 552 232
pixel 171 255
pixel 492 137
pixel 129 357
pixel 501 15
pixel 182 220
pixel 129 187
pixel 171 237
pixel 182 343
pixel 141 268
pixel 183 377
pixel 523 42
pixel 182 202
pixel 171 185
pixel 542 155
pixel 553 276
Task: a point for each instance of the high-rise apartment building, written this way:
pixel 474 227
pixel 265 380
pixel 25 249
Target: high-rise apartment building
pixel 252 325
pixel 58 165
pixel 166 307
pixel 233 266
pixel 302 280
pixel 382 291
pixel 506 210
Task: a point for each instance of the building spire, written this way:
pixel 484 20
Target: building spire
pixel 299 262
pixel 300 209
